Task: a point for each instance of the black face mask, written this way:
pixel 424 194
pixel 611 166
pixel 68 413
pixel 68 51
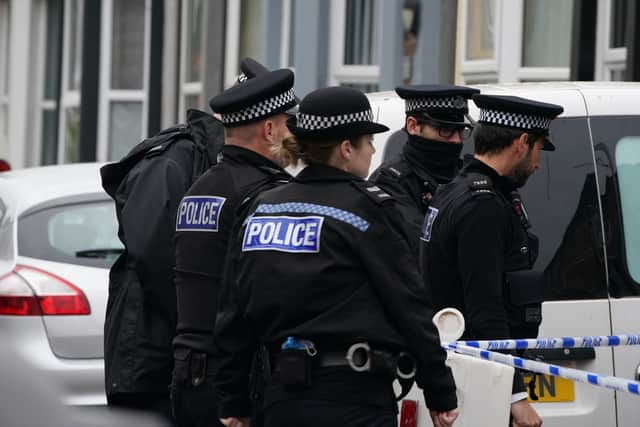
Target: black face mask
pixel 439 159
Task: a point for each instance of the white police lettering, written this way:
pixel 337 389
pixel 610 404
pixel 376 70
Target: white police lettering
pixel 199 213
pixel 497 345
pixel 546 343
pixel 633 340
pixel 283 233
pixel 591 341
pixel 427 225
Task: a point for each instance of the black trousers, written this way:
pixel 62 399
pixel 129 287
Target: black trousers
pixel 194 406
pixel 149 402
pixel 320 413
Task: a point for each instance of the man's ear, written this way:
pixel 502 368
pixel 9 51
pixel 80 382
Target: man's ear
pixel 267 130
pixel 522 146
pixel 411 125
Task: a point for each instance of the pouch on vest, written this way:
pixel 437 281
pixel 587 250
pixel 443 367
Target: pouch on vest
pixel 295 368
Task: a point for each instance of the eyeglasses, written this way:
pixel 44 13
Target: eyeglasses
pixel 463 131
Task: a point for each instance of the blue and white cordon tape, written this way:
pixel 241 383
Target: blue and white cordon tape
pixel 563 342
pixel 614 383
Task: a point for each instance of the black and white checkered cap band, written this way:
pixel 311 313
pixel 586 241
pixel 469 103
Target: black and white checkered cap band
pixel 312 122
pixel 261 109
pixel 442 102
pixel 514 120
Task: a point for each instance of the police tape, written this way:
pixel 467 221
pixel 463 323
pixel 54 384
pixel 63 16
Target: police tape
pixel 614 383
pixel 563 342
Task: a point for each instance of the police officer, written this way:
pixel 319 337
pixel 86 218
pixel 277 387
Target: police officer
pixel 475 231
pixel 436 124
pixel 254 117
pixel 147 186
pixel 320 281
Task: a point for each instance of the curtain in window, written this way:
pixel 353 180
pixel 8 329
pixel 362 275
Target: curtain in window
pixel 481 18
pixel 546 38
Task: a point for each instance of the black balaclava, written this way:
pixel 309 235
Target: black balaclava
pixel 439 159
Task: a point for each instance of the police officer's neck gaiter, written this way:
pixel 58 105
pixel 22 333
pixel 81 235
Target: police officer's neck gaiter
pixel 439 159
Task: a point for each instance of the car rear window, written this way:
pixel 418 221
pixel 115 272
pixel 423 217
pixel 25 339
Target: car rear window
pixel 79 233
pixel 628 165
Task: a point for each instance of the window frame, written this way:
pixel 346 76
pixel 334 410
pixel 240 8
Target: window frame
pixel 189 88
pixel 232 42
pixel 339 73
pixel 607 59
pixel 509 19
pixel 42 104
pixel 69 98
pixel 5 32
pixel 108 96
pixel 287 32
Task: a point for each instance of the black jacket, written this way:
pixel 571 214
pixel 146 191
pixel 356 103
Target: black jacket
pixel 341 272
pixel 147 186
pixel 471 239
pixel 205 221
pixel 412 178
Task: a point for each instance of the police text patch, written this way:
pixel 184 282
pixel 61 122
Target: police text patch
pixel 199 213
pixel 427 225
pixel 283 233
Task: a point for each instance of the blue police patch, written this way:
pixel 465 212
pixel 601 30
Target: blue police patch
pixel 199 213
pixel 427 225
pixel 283 233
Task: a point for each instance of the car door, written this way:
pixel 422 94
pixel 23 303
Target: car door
pixel 617 152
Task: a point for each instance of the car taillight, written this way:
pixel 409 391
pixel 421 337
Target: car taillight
pixel 29 291
pixel 409 413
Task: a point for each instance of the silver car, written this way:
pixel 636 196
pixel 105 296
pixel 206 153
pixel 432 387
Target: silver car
pixel 58 238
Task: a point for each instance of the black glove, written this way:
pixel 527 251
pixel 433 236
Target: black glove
pixel 193 398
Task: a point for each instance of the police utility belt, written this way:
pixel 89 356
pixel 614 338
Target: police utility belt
pixel 296 359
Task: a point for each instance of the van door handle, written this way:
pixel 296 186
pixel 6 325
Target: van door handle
pixel 562 354
pixel 638 373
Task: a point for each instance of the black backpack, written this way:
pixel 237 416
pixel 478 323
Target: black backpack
pixel 205 131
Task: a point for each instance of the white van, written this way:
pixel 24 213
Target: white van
pixel 584 205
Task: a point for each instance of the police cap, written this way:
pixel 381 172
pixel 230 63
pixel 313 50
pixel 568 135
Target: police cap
pixel 445 104
pixel 518 113
pixel 258 98
pixel 334 113
pixel 250 68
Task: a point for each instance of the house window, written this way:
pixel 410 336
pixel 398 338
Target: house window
pixel 124 76
pixel 244 34
pixel 546 36
pixel 51 79
pixel 611 53
pixel 354 44
pixel 481 29
pixel 617 23
pixel 479 42
pixel 69 118
pixel 515 40
pixel 192 59
pixel 4 69
pixel 287 35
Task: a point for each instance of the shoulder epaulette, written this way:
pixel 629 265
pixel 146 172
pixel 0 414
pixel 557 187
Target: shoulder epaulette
pixel 480 184
pixel 397 169
pixel 373 192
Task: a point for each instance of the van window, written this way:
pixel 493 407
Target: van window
pixel 617 151
pixel 628 166
pixel 562 200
